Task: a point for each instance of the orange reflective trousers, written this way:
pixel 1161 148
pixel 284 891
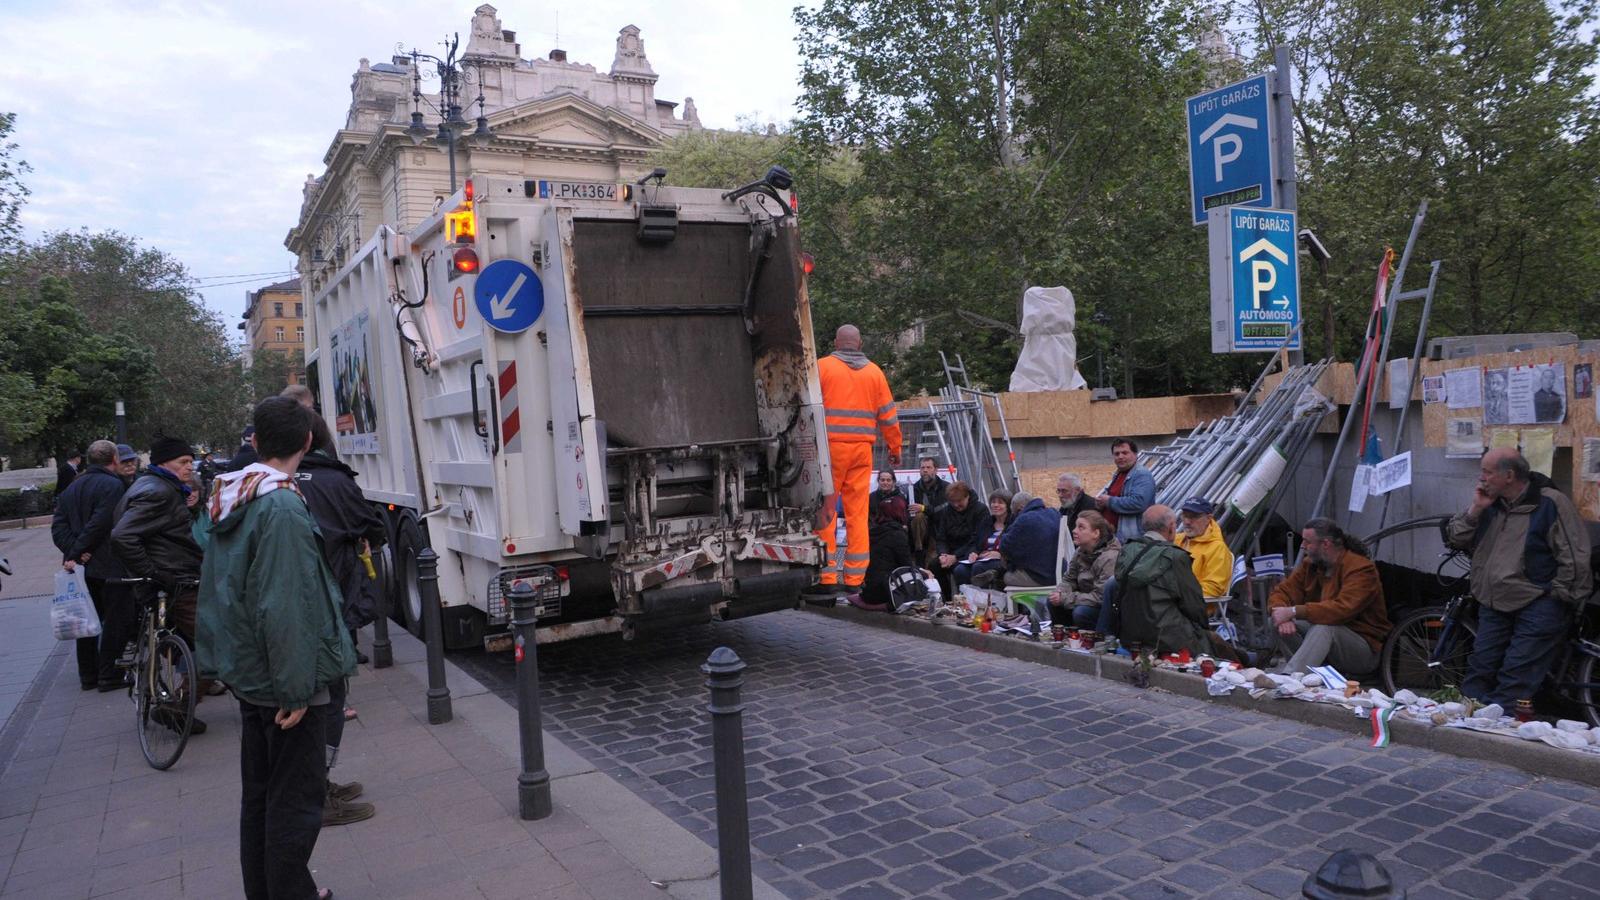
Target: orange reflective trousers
pixel 852 480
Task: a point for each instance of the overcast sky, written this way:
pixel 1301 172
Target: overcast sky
pixel 192 125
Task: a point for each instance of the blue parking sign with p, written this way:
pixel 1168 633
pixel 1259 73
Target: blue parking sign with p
pixel 1230 146
pixel 1265 275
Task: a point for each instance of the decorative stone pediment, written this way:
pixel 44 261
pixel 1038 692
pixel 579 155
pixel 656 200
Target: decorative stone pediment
pixel 572 119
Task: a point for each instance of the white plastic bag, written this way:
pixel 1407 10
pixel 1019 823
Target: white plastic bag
pixel 72 614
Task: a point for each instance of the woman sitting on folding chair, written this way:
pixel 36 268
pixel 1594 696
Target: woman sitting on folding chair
pixel 887 515
pixel 1076 601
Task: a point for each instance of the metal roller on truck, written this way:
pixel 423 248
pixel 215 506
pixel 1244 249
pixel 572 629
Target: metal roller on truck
pixel 607 392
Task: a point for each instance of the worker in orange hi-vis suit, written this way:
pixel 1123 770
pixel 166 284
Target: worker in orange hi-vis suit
pixel 858 407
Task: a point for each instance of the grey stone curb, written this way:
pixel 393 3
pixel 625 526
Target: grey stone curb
pixel 1533 757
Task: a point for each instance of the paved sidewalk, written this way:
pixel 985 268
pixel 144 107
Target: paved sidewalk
pixel 26 642
pixel 82 815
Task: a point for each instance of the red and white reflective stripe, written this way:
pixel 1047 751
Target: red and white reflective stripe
pixel 781 553
pixel 510 414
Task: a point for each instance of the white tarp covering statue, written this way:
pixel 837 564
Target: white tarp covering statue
pixel 1049 360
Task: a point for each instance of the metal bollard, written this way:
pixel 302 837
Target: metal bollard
pixel 382 650
pixel 533 783
pixel 1348 873
pixel 725 676
pixel 439 710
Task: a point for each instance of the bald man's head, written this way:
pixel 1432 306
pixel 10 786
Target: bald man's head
pixel 1504 473
pixel 848 337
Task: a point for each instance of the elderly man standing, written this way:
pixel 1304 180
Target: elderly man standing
pixel 1530 567
pixel 858 407
pixel 1130 492
pixel 1331 608
pixel 81 530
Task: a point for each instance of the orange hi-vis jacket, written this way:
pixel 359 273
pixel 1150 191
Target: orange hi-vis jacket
pixel 857 401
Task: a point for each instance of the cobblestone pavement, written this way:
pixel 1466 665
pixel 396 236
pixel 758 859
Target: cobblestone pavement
pixel 884 765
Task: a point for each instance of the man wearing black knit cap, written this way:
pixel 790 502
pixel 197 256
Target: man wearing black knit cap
pixel 153 536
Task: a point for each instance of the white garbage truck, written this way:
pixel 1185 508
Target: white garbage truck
pixel 605 392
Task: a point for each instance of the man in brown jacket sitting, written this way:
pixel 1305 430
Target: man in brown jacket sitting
pixel 1330 609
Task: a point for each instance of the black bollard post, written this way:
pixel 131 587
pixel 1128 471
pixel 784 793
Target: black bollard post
pixel 1348 873
pixel 725 676
pixel 382 650
pixel 533 783
pixel 439 710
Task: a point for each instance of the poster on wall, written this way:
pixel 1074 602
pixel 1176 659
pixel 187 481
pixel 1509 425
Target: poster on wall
pixel 355 414
pixel 1591 459
pixel 1583 381
pixel 1539 448
pixel 1496 401
pixel 1433 389
pixel 1533 395
pixel 1463 388
pixel 1463 439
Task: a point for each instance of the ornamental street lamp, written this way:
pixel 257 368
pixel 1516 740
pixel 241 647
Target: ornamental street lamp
pixel 452 127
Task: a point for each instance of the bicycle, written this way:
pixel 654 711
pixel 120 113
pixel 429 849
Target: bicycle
pixel 164 680
pixel 1428 650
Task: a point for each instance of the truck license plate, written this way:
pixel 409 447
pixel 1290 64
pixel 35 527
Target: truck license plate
pixel 576 190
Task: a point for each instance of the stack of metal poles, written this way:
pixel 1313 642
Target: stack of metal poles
pixel 1215 460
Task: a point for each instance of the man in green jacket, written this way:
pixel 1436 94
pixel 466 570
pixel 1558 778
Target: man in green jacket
pixel 1160 602
pixel 270 628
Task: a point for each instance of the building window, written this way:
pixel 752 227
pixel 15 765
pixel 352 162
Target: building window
pixel 300 334
pixel 277 309
pixel 279 334
pixel 299 310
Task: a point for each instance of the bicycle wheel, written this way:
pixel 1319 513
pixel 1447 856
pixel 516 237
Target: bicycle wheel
pixel 166 702
pixel 1587 694
pixel 1404 660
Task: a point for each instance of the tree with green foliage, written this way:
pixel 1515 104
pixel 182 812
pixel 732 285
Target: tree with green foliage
pixel 196 389
pixel 270 371
pixel 1002 145
pixel 59 379
pixel 13 192
pixel 1488 110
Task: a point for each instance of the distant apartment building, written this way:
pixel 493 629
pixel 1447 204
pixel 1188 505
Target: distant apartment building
pixel 274 320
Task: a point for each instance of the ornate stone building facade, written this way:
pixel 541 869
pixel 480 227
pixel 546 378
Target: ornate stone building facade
pixel 551 118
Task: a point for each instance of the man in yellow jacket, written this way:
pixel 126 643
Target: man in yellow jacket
pixel 858 407
pixel 1202 537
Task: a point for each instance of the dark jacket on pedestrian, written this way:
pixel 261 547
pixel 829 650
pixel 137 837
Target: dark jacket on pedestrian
pixel 1159 597
pixel 1522 550
pixel 244 456
pixel 1030 542
pixel 345 517
pixel 929 495
pixel 888 507
pixel 958 532
pixel 270 619
pixel 152 536
pixel 65 474
pixel 83 520
pixel 1087 574
pixel 1070 511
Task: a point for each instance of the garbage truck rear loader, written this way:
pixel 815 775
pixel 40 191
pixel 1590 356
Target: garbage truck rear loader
pixel 608 392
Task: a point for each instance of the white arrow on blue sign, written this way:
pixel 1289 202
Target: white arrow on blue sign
pixel 1262 294
pixel 1230 146
pixel 509 296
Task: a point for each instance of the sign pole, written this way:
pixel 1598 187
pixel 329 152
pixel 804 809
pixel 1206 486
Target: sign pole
pixel 1288 193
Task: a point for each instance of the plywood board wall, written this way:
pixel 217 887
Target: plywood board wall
pixel 1580 421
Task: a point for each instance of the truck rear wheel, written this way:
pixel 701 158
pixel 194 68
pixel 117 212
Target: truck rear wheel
pixel 409 541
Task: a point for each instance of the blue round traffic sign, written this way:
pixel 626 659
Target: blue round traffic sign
pixel 509 296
